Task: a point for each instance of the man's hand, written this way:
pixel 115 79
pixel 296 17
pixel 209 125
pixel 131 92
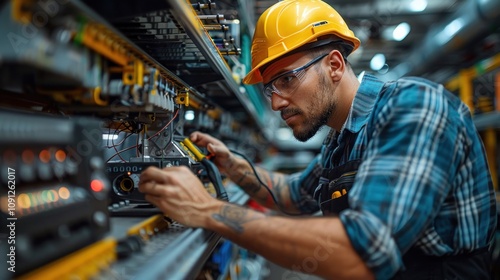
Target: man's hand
pixel 179 194
pixel 224 159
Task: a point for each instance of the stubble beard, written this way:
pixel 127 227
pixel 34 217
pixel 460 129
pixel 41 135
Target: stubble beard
pixel 321 109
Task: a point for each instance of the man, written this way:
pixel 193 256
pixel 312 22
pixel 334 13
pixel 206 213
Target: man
pixel 402 179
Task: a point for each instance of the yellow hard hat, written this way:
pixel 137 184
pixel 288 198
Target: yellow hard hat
pixel 290 24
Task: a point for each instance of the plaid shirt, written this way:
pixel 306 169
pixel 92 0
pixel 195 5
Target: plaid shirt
pixel 423 181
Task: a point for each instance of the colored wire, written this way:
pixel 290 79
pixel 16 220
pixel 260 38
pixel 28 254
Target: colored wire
pixel 135 146
pixel 171 120
pixel 116 150
pixel 119 152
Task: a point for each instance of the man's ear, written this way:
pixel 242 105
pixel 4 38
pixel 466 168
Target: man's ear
pixel 336 64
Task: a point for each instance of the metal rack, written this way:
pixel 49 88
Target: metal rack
pixel 136 68
pixel 199 46
pixel 176 253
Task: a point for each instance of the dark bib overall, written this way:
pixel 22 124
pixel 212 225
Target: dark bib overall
pixel 332 195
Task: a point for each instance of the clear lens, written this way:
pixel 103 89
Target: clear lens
pixel 268 91
pixel 286 83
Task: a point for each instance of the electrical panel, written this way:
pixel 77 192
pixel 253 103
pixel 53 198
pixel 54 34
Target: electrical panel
pixel 94 92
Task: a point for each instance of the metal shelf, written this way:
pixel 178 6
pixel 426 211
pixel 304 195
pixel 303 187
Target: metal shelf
pixel 185 15
pixel 177 253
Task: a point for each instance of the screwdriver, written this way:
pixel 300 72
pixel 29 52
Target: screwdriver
pixel 212 170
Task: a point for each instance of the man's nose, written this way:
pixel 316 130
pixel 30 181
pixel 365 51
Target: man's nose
pixel 278 102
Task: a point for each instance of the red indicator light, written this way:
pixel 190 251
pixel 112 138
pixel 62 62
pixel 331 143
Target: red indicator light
pixel 60 155
pixel 44 156
pixel 97 185
pixel 28 156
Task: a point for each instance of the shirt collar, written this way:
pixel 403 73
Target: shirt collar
pixel 363 102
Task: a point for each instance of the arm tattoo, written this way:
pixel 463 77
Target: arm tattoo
pixel 249 187
pixel 234 217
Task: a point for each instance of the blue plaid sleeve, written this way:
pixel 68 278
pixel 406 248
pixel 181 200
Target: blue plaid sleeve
pixel 413 156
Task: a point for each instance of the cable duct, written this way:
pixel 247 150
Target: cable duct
pixel 472 21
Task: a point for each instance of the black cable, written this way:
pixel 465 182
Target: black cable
pixel 215 177
pixel 264 185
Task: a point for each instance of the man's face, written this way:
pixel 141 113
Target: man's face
pixel 311 105
pixel 319 103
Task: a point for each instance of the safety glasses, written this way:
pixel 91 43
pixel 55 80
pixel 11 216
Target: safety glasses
pixel 286 83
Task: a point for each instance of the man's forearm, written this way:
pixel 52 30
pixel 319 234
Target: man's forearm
pixel 314 245
pixel 242 175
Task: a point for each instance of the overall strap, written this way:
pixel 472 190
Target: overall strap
pixel 335 183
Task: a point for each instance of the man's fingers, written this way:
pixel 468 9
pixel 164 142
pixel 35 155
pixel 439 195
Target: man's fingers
pixel 150 187
pixel 155 200
pixel 201 139
pixel 151 179
pixel 153 173
pixel 211 148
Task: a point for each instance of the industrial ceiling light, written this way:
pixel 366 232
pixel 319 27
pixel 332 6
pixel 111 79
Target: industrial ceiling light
pixel 401 31
pixel 449 31
pixel 377 62
pixel 418 5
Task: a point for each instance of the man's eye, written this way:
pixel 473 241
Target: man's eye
pixel 285 81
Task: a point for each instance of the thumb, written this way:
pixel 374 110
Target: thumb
pixel 211 148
